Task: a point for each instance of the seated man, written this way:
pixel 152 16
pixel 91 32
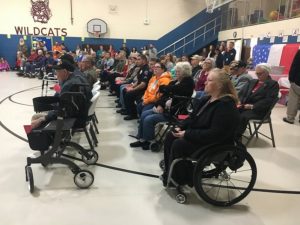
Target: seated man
pixel 87 67
pixel 135 91
pixel 239 75
pixel 49 63
pixel 70 79
pixel 257 96
pixel 214 120
pixel 34 63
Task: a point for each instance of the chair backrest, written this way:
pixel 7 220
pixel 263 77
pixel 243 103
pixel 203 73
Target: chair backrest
pixel 95 89
pixel 96 83
pixel 94 101
pixel 268 114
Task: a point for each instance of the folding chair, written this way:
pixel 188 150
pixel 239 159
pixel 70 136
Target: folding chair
pixel 258 123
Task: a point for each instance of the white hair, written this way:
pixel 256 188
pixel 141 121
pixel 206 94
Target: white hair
pixel 185 68
pixel 265 67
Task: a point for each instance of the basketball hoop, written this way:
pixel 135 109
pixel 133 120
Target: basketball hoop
pixel 210 5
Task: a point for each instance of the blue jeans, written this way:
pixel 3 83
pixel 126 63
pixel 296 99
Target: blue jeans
pixel 147 124
pixel 122 87
pixel 141 108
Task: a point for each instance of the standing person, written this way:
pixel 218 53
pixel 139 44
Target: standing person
pixel 219 58
pixel 99 52
pixel 22 47
pixel 125 49
pixel 152 52
pixel 294 94
pixel 211 53
pixel 229 55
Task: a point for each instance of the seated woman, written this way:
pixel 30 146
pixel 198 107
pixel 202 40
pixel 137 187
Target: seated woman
pixel 151 96
pixel 257 96
pixel 214 120
pixel 182 86
pixel 4 66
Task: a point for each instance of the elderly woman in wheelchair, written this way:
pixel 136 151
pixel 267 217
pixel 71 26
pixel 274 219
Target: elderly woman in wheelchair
pixel 202 152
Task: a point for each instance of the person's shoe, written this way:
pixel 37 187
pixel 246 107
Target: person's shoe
pixel 130 117
pixel 117 101
pixel 111 94
pixel 287 120
pixel 124 112
pixel 136 144
pixel 118 105
pixel 120 110
pixel 146 145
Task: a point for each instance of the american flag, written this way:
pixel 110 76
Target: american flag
pixel 260 54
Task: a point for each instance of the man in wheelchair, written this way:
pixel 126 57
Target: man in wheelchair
pixel 214 120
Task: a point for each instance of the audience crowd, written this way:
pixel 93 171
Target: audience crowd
pixel 214 91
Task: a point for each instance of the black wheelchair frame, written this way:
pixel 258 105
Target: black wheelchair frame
pixel 186 104
pixel 223 175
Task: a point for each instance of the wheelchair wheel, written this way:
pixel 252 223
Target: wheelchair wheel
pixel 92 159
pixel 83 179
pixel 29 178
pixel 180 198
pixel 162 165
pixel 218 183
pixel 154 147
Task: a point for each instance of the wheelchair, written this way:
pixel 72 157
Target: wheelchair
pixel 222 175
pixel 52 138
pixel 183 109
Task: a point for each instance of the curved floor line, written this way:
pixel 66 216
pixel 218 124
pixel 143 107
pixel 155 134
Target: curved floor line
pixel 13 101
pixel 6 128
pixel 12 133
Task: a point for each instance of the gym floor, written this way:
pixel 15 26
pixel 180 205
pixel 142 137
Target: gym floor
pixel 123 196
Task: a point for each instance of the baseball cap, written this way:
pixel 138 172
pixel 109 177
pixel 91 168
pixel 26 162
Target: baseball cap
pixel 64 65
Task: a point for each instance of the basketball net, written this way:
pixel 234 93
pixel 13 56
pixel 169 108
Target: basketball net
pixel 210 5
pixel 96 34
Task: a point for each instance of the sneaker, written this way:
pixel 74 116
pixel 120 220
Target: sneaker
pixel 285 119
pixel 136 144
pixel 130 117
pixel 120 110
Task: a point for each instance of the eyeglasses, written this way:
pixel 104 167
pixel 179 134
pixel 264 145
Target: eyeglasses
pixel 157 66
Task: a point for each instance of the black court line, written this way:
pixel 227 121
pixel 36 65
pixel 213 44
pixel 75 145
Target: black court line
pixel 125 170
pixel 156 176
pixel 13 101
pixel 115 168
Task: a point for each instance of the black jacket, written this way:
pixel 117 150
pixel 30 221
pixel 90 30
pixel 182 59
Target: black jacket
pixel 215 124
pixel 294 74
pixel 263 98
pixel 184 88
